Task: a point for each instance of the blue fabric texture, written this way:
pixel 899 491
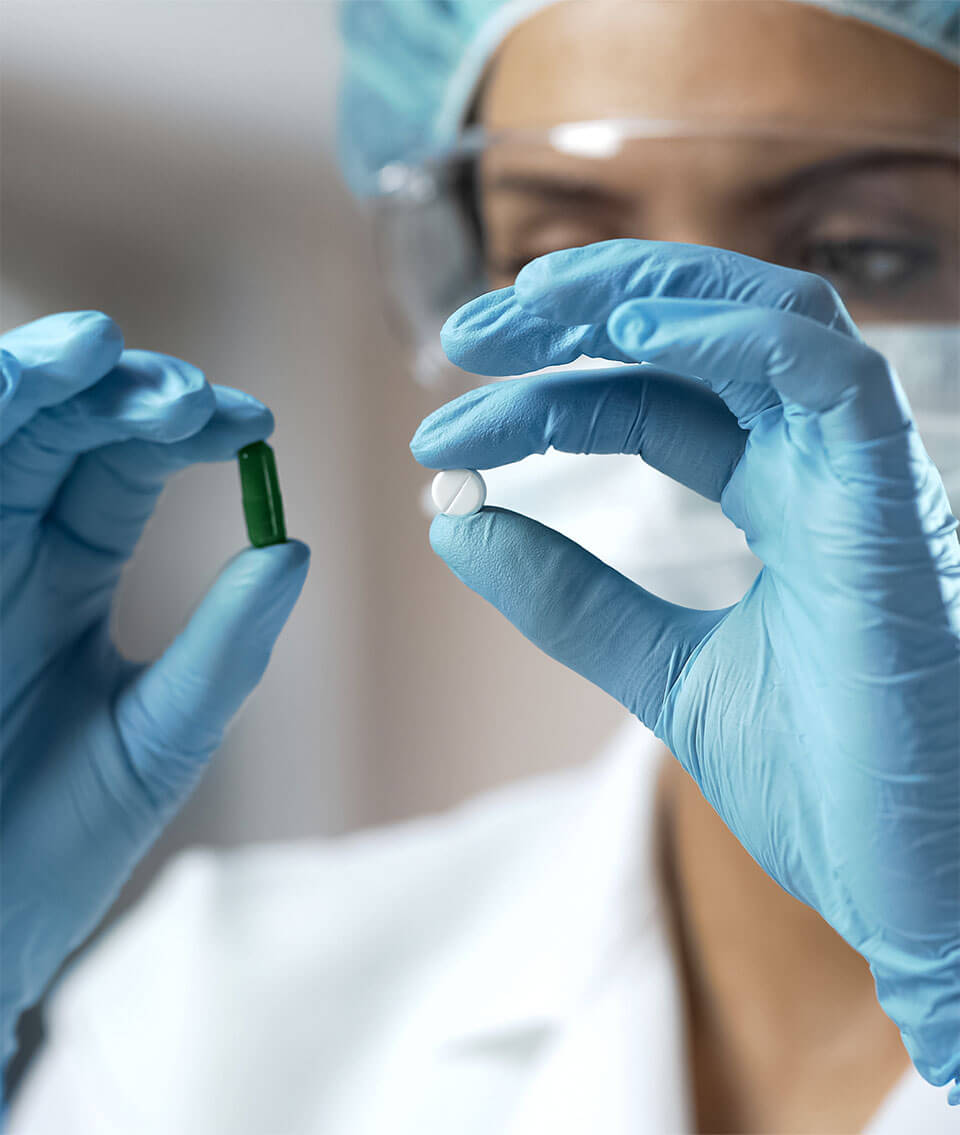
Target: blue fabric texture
pixel 410 67
pixel 819 715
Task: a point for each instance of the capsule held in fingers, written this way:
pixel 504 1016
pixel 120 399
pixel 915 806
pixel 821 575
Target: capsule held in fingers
pixel 260 491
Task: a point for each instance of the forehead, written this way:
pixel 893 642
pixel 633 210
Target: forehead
pixel 587 59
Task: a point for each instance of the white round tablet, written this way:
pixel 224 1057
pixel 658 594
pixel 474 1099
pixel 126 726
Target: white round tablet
pixel 458 492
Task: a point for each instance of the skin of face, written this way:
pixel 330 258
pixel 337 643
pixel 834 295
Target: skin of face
pixel 879 220
pixel 784 1029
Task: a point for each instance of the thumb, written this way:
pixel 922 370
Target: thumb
pixel 172 716
pixel 572 605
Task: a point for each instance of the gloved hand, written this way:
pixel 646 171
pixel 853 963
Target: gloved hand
pixel 820 715
pixel 99 752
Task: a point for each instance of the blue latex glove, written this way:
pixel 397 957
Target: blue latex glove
pixel 820 715
pixel 99 752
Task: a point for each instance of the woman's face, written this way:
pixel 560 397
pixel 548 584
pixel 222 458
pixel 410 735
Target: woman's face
pixel 880 221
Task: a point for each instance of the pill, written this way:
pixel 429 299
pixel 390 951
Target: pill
pixel 458 492
pixel 260 490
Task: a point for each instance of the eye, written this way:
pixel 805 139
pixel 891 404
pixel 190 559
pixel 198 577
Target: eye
pixel 869 267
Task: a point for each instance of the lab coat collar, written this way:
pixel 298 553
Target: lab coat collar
pixel 569 910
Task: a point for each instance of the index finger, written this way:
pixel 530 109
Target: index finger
pixel 586 285
pixel 51 359
pixel 557 310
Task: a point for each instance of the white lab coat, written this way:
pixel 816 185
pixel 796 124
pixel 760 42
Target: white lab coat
pixel 500 970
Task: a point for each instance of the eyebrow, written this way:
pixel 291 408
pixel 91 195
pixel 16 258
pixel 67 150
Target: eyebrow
pixel 577 190
pixel 830 170
pixel 557 186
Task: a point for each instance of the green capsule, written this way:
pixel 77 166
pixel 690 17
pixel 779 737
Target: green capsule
pixel 260 488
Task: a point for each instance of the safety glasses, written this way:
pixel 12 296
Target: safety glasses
pixel 872 210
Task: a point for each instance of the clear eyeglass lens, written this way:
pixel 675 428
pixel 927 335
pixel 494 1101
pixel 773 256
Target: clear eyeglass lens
pixel 875 214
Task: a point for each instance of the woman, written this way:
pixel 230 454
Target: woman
pixel 620 948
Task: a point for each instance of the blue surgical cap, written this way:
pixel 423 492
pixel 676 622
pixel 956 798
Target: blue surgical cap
pixel 411 67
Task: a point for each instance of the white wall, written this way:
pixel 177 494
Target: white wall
pixel 171 163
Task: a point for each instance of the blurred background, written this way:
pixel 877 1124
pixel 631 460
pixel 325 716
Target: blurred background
pixel 173 165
